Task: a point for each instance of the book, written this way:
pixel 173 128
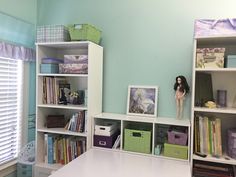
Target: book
pixel 117 143
pixel 201 134
pixel 218 135
pixel 50 148
pixel 64 93
pixel 46 148
pixel 57 82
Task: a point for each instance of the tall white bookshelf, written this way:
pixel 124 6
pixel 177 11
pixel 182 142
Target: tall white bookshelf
pixel 222 79
pixel 92 82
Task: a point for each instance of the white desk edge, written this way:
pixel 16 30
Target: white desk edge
pixel 105 163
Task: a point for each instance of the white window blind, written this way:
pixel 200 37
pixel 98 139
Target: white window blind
pixel 10 108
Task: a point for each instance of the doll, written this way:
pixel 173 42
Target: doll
pixel 181 88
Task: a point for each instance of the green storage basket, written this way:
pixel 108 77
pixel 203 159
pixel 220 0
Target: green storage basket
pixel 137 139
pixel 176 151
pixel 84 32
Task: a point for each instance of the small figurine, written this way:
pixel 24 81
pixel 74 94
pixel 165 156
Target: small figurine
pixel 181 88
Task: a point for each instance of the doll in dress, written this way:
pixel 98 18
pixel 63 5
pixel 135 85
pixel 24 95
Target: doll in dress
pixel 181 88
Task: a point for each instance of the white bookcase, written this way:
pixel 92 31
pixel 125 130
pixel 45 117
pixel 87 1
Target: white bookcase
pixel 222 79
pixel 123 120
pixel 92 82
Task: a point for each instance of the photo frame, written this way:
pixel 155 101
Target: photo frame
pixel 142 100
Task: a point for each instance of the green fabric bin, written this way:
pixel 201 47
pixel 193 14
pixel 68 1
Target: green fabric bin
pixel 137 140
pixel 84 32
pixel 176 151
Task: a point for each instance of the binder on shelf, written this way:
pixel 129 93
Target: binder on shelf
pixel 117 143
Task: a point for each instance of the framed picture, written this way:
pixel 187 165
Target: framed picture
pixel 142 100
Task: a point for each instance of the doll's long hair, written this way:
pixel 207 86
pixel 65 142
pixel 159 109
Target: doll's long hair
pixel 184 84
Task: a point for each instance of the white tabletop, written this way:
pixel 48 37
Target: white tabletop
pixel 107 163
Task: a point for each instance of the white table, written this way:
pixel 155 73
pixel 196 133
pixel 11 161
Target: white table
pixel 107 163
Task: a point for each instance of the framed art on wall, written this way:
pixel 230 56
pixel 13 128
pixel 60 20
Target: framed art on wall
pixel 142 100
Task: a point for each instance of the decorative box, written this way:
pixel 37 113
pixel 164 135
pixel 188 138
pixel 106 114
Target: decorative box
pixel 55 121
pixel 210 58
pixel 79 59
pixel 232 143
pixel 48 60
pixel 49 68
pixel 137 139
pixel 77 97
pixel 84 32
pixel 176 151
pixel 179 138
pixel 221 98
pixel 231 61
pixel 215 27
pixel 73 68
pixel 52 33
pixel 105 128
pixel 105 141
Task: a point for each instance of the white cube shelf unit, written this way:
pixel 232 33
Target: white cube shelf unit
pixel 92 82
pixel 123 121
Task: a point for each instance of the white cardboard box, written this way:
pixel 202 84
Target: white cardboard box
pixel 105 128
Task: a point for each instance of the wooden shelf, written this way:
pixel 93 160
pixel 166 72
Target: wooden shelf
pixel 215 69
pixel 63 75
pixel 173 121
pixel 92 82
pixel 158 120
pixel 61 106
pixel 209 158
pixel 124 117
pixel 64 45
pixel 216 110
pixel 61 131
pixel 221 79
pixel 216 40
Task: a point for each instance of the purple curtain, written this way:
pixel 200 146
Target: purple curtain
pixel 16 52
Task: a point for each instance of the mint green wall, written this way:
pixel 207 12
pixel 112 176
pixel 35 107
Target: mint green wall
pixel 23 9
pixel 18 19
pixel 146 42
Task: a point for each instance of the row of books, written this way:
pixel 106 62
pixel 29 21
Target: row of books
pixel 62 149
pixel 55 90
pixel 208 169
pixel 207 136
pixel 78 122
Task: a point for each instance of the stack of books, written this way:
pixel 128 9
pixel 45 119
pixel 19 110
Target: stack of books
pixel 78 122
pixel 207 136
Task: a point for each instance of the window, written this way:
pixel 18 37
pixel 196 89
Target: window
pixel 11 108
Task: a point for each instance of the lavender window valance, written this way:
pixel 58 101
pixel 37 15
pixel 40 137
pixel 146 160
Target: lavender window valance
pixel 16 52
